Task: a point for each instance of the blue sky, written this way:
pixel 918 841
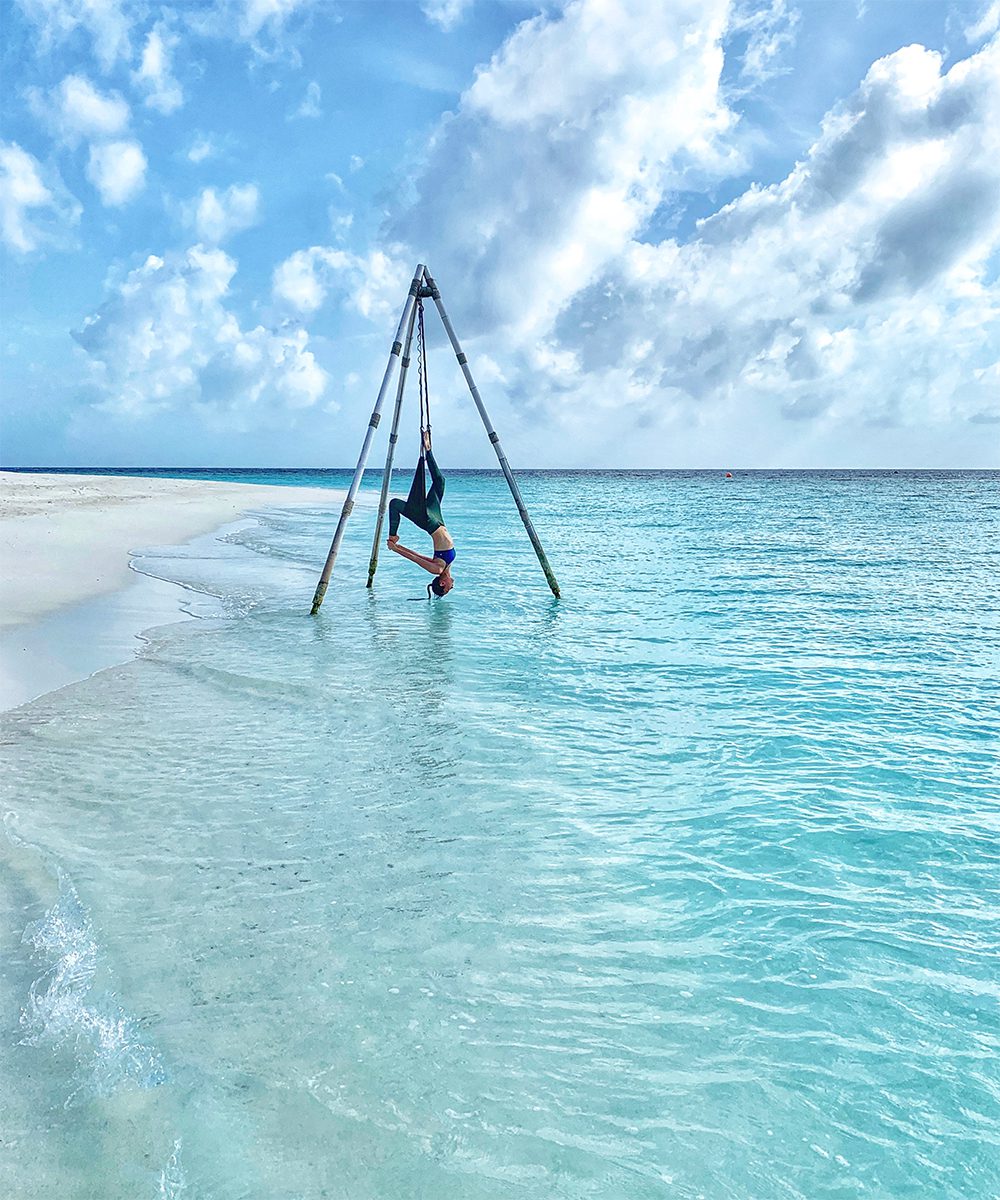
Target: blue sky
pixel 671 233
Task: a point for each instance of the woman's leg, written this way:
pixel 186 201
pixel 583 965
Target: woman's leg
pixel 415 509
pixel 396 508
pixel 437 479
pixel 432 501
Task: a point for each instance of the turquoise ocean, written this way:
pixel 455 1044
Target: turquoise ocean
pixel 685 886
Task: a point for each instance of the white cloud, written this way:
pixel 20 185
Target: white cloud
pixel 201 149
pixel 265 25
pixel 21 189
pixel 165 339
pixel 445 13
pixel 858 289
pixel 769 31
pixel 310 106
pixel 375 284
pixel 105 21
pixel 357 162
pixel 854 298
pixel 30 212
pixel 112 25
pixel 76 109
pixel 563 147
pixel 259 15
pixel 154 76
pixel 117 170
pixel 987 25
pixel 216 216
pixel 340 223
pixel 298 280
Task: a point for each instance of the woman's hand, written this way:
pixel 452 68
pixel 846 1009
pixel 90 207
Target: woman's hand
pixel 393 539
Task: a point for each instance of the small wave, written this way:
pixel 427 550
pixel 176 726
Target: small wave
pixel 172 1180
pixel 63 1011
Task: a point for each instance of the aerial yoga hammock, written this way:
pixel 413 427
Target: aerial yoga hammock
pixel 424 508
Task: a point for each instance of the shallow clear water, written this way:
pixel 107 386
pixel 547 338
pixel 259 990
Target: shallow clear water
pixel 684 886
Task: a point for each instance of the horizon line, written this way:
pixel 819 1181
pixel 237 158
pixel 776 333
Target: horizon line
pixel 495 470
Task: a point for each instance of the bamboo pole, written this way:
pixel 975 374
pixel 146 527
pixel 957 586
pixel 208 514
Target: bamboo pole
pixel 359 470
pixel 383 499
pixel 515 491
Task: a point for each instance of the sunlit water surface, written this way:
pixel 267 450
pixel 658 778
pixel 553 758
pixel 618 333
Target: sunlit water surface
pixel 685 886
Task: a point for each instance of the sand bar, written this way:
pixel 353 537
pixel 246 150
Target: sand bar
pixel 69 604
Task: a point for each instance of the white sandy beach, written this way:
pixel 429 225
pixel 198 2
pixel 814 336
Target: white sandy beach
pixel 68 602
pixel 67 538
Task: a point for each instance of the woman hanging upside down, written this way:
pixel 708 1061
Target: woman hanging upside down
pixel 425 512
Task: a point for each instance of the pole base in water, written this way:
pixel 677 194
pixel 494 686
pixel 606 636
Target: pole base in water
pixel 318 599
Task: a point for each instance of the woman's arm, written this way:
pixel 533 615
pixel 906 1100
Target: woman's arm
pixel 434 565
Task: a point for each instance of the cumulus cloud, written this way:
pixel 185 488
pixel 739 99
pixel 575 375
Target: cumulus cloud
pixel 859 286
pixel 21 189
pixel 564 146
pixel 446 14
pixel 858 292
pixel 77 110
pixel 106 22
pixel 154 75
pixel 374 284
pixel 300 280
pixel 166 339
pixel 30 212
pixel 117 170
pixel 216 216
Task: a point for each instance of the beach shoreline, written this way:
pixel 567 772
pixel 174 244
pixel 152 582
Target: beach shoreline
pixel 70 601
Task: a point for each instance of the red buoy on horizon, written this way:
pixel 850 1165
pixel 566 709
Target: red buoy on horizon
pixel 729 474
